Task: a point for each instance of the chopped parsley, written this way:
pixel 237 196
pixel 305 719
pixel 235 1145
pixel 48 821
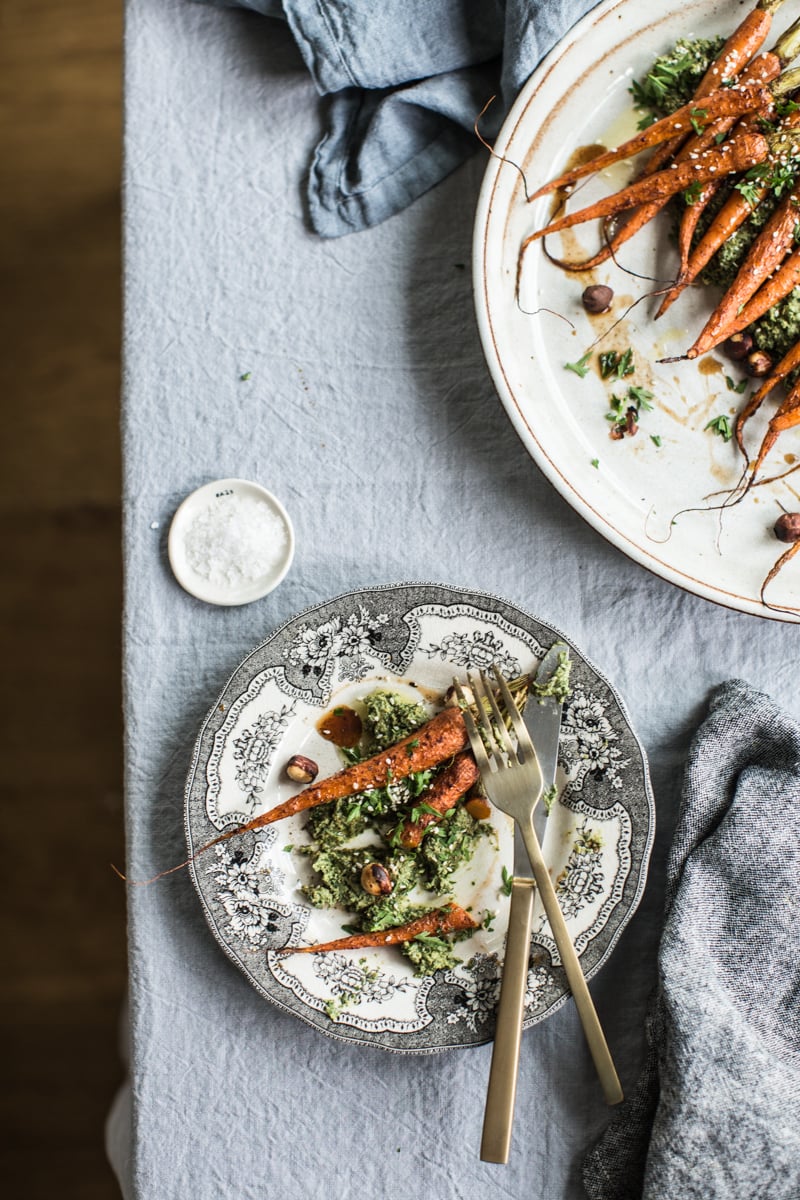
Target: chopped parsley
pixel 735 387
pixel 722 426
pixel 580 367
pixel 508 882
pixel 616 364
pixel 625 410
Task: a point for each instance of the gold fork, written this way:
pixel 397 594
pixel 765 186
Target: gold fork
pixel 513 781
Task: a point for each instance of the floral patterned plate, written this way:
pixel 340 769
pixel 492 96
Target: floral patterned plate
pixel 412 637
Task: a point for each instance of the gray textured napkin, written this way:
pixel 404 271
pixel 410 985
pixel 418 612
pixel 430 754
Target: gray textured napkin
pixel 405 81
pixel 717 1111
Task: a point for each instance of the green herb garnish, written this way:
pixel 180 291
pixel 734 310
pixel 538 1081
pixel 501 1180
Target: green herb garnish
pixel 580 367
pixel 722 426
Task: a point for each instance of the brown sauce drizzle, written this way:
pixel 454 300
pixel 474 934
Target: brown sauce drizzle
pixel 341 725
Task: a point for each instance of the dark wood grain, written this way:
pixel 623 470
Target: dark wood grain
pixel 62 918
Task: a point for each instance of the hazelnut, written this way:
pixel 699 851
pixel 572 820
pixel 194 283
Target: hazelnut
pixel 738 346
pixel 787 527
pixel 597 298
pixel 376 880
pixel 758 363
pixel 451 699
pixel 302 769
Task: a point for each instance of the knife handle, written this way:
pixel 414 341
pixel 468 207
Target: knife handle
pixel 502 1090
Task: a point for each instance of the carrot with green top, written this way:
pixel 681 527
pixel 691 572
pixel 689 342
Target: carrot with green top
pixel 451 918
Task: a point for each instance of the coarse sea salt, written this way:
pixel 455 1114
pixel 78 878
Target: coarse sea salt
pixel 235 540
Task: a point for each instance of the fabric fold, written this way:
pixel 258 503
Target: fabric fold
pixel 406 81
pixel 716 1114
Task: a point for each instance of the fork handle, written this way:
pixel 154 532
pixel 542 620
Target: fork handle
pixel 501 1093
pixel 598 1047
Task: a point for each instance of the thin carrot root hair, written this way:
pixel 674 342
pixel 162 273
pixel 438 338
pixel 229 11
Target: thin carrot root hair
pixel 492 150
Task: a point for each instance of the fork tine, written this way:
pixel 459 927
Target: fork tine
pixel 475 740
pixel 523 737
pixel 502 732
pixel 483 720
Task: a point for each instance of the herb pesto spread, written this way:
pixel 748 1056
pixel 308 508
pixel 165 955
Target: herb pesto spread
pixel 373 818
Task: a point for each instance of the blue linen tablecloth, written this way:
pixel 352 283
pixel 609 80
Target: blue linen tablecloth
pixel 369 411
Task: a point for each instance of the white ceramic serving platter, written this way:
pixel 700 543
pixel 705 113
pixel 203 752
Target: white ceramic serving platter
pixel 633 490
pixel 414 638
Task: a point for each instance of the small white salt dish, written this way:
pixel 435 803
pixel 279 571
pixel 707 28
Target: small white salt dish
pixel 230 542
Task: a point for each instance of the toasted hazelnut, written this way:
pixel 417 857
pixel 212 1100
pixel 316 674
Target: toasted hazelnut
pixel 376 880
pixel 302 769
pixel 787 527
pixel 451 699
pixel 597 298
pixel 758 363
pixel 738 346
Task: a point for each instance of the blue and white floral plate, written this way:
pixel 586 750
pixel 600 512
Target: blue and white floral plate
pixel 413 637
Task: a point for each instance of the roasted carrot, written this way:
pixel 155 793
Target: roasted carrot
pixel 448 919
pixel 736 155
pixel 433 743
pixel 786 417
pixel 746 40
pixel 730 103
pixel 734 212
pixel 767 253
pixel 788 363
pixel 770 293
pixel 443 793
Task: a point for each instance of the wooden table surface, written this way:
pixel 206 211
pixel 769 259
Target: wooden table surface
pixel 63 923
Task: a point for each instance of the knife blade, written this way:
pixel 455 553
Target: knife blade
pixel 542 717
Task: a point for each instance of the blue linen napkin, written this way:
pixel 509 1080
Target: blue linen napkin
pixel 406 80
pixel 716 1115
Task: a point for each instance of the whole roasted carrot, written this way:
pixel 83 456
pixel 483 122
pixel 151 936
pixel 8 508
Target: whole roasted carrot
pixel 745 41
pixel 768 252
pixel 770 293
pixel 788 363
pixel 444 792
pixel 726 103
pixel 739 154
pixel 734 212
pixel 433 743
pixel 448 919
